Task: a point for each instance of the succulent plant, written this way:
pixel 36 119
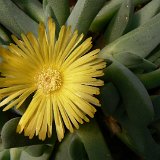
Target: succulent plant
pixel 126 126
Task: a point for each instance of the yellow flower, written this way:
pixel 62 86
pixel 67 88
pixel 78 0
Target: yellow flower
pixel 58 74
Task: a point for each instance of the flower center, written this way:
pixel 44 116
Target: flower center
pixel 49 80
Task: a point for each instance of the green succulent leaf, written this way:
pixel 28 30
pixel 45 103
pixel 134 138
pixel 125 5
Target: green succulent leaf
pixel 154 55
pixel 4 36
pixel 48 11
pixel 107 12
pixel 77 149
pixel 12 139
pixel 142 139
pixel 154 58
pixel 71 148
pixel 135 98
pixel 126 139
pixel 36 152
pixel 84 141
pixel 157 62
pixel 156 104
pixel 5 116
pixel 145 14
pixel 137 138
pixel 15 20
pixel 15 153
pixel 109 98
pixel 151 79
pixel 140 41
pixel 5 155
pixel 32 7
pixel 60 9
pixel 119 23
pixel 134 61
pixel 83 14
pixel 128 59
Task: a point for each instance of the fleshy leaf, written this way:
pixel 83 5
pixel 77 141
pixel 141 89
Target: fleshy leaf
pixel 15 153
pixel 32 7
pixel 60 9
pixel 133 61
pixel 12 139
pixel 88 137
pixel 15 20
pixel 83 14
pixel 150 79
pixel 5 155
pixel 36 152
pixel 143 140
pixel 119 23
pixel 4 36
pixel 5 116
pixel 156 104
pixel 107 12
pixel 137 138
pixel 108 93
pixel 135 98
pixel 145 13
pixel 140 41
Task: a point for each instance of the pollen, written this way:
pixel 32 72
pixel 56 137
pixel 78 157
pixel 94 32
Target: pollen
pixel 48 80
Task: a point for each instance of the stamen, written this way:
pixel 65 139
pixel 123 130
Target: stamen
pixel 49 80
